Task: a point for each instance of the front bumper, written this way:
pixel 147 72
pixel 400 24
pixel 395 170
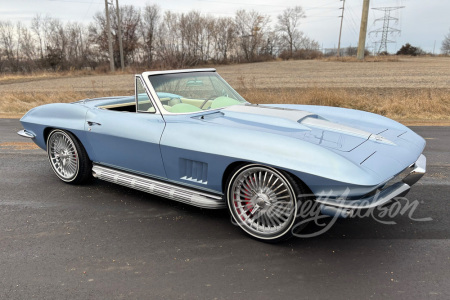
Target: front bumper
pixel 25 133
pixel 344 208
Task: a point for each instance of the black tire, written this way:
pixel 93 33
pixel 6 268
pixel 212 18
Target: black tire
pixel 265 208
pixel 68 157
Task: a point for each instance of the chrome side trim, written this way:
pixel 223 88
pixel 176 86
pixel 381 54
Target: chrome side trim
pixel 159 188
pixel 26 133
pixel 419 169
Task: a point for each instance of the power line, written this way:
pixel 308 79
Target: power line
pixel 353 26
pixel 73 1
pixel 263 4
pixel 89 8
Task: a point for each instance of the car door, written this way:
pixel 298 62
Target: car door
pixel 127 140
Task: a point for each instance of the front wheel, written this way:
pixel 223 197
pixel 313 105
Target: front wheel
pixel 263 202
pixel 68 157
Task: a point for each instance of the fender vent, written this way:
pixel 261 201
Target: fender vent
pixel 194 170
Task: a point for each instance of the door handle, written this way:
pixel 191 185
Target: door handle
pixel 90 123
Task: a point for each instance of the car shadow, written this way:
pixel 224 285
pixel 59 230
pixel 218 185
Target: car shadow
pixel 400 226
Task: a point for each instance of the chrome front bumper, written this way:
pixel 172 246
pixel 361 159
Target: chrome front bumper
pixel 417 170
pixel 344 208
pixel 26 133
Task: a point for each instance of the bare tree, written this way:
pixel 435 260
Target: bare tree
pixel 351 51
pixel 76 49
pixel 273 42
pixel 308 44
pixel 9 44
pixel 208 38
pixel 168 42
pixel 148 28
pixel 225 34
pixel 446 44
pixel 191 37
pixel 251 27
pixel 153 38
pixel 131 19
pixel 27 45
pixel 36 27
pixel 288 23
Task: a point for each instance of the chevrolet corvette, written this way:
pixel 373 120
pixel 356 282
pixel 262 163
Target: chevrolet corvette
pixel 188 136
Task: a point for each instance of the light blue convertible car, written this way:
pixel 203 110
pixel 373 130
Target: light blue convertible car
pixel 188 136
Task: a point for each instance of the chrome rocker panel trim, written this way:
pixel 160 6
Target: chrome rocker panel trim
pixel 25 133
pixel 344 208
pixel 159 188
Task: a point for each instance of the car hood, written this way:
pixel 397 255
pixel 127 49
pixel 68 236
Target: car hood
pixel 368 140
pixel 299 124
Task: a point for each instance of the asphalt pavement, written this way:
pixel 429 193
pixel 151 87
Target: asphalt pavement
pixel 103 241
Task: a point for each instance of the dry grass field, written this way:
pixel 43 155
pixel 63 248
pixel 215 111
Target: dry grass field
pixel 410 90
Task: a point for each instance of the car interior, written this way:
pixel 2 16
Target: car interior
pixel 173 105
pixel 180 93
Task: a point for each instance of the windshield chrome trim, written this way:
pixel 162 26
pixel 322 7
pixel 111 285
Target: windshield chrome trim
pixel 177 71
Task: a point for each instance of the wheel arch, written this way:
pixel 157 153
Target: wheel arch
pixel 70 163
pixel 282 228
pixel 49 129
pixel 228 171
pixel 237 164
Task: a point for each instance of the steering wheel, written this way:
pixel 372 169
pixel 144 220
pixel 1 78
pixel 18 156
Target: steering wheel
pixel 173 101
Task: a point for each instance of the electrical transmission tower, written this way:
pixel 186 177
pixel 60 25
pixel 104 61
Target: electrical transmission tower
pixel 386 30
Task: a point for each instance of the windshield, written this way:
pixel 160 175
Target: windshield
pixel 192 92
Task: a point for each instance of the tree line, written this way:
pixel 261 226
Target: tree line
pixel 153 38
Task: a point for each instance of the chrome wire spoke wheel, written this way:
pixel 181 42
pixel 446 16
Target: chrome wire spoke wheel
pixel 63 155
pixel 262 202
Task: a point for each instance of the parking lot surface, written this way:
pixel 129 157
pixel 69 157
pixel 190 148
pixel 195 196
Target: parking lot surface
pixel 103 241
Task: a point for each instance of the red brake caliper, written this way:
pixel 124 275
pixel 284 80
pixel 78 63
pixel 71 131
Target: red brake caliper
pixel 248 205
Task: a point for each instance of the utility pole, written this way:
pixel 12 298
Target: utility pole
pixel 119 25
pixel 108 29
pixel 363 30
pixel 386 30
pixel 340 30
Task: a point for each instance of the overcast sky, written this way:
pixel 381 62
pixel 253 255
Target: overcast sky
pixel 422 23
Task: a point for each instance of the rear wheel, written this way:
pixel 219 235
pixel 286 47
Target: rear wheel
pixel 68 157
pixel 263 201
